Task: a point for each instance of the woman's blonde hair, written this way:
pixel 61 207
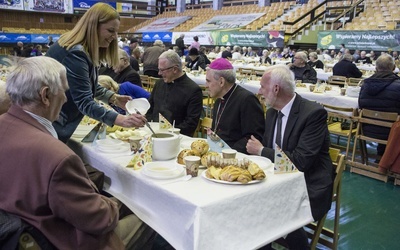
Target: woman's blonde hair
pixel 108 83
pixel 86 33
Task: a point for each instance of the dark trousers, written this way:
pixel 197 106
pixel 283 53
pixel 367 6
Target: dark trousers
pixel 296 240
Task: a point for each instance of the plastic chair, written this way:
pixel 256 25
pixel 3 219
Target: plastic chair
pixel 379 119
pixel 332 237
pixel 337 117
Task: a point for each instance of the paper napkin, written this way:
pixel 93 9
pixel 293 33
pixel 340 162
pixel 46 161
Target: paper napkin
pixel 143 155
pixel 217 146
pixel 319 89
pixel 164 123
pixel 282 162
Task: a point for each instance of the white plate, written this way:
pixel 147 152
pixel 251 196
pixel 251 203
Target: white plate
pixel 187 142
pixel 141 104
pixel 137 133
pixel 123 148
pixel 230 183
pixel 160 168
pixel 176 173
pixel 262 162
pixel 109 143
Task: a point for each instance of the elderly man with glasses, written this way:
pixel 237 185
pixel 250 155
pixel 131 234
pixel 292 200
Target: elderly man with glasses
pixel 302 71
pixel 178 98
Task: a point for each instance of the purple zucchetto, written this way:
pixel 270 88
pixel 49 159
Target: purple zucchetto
pixel 220 64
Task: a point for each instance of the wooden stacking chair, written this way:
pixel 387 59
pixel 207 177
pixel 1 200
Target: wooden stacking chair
pixel 331 237
pixel 145 81
pixel 370 117
pixel 208 102
pixel 355 81
pixel 337 80
pixel 246 72
pixel 152 82
pixel 201 130
pixel 337 116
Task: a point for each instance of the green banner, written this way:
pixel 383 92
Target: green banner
pixel 250 38
pixel 361 40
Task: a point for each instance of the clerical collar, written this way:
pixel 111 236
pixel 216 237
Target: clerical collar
pixel 229 92
pixel 176 80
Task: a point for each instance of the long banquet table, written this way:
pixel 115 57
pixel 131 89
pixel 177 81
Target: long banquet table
pixel 200 214
pixel 329 97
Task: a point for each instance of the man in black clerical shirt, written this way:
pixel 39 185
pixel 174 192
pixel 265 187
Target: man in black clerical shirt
pixel 178 98
pixel 237 113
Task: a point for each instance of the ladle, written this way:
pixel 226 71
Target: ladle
pixel 147 124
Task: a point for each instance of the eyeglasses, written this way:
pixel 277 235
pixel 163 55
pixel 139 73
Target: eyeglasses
pixel 163 70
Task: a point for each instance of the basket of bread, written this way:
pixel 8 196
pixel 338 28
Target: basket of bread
pixel 233 170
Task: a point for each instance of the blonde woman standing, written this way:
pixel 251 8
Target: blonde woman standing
pixel 91 42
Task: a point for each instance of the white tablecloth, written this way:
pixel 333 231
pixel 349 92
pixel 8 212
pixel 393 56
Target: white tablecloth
pixel 332 97
pixel 199 214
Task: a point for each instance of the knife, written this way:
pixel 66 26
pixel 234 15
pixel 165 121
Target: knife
pixel 91 136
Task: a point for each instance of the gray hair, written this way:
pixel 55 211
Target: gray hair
pixel 228 74
pixel 385 62
pixel 30 75
pixel 314 55
pixel 302 55
pixel 158 43
pixel 4 99
pixel 348 57
pixel 172 57
pixel 122 54
pixel 282 76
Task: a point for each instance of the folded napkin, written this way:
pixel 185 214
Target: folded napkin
pixel 282 162
pixel 164 123
pixel 319 89
pixel 143 155
pixel 217 146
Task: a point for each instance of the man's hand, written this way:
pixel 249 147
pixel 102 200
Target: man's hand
pixel 254 146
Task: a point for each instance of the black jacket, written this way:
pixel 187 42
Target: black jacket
pixel 306 74
pixel 380 92
pixel 306 143
pixel 347 69
pixel 180 101
pixel 240 117
pixel 128 75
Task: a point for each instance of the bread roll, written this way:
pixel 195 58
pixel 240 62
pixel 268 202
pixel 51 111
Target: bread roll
pixel 184 153
pixel 201 146
pixel 204 158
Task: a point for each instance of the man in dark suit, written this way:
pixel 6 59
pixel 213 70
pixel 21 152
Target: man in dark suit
pixel 304 139
pixel 181 44
pixel 346 67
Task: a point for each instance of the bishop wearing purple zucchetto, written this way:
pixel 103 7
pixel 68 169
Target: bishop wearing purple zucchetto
pixel 237 113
